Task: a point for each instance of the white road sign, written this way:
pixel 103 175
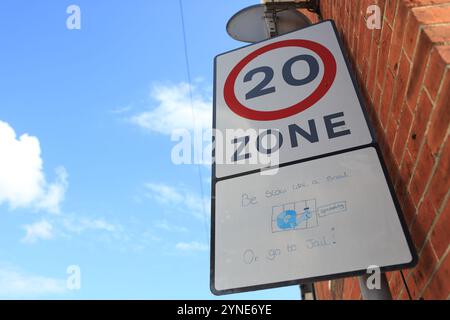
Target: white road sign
pixel 330 210
pixel 299 84
pixel 326 217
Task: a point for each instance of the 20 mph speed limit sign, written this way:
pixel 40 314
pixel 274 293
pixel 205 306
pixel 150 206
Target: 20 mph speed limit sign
pixel 329 209
pixel 298 84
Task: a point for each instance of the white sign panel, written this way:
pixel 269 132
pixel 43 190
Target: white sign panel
pixel 299 84
pixel 325 217
pixel 329 209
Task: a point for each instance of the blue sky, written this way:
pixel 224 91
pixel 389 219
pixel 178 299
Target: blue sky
pixel 86 176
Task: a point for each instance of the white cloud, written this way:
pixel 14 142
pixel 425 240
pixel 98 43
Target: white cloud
pixel 81 224
pixel 191 246
pixel 66 225
pixel 166 226
pixel 52 199
pixel 37 231
pixel 179 199
pixel 22 180
pixel 164 193
pixel 173 109
pixel 17 284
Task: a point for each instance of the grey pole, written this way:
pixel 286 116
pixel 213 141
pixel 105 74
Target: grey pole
pixel 307 291
pixel 384 293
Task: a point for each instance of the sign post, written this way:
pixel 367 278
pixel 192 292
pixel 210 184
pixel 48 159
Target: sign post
pixel 326 208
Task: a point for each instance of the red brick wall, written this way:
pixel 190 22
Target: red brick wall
pixel 404 73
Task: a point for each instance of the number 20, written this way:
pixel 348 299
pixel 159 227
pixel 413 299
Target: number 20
pixel 262 89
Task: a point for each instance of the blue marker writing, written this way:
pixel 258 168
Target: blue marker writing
pixel 287 219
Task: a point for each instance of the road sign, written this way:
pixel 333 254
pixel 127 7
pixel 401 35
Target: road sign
pixel 330 210
pixel 299 84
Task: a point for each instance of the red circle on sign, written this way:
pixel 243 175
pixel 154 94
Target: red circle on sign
pixel 329 75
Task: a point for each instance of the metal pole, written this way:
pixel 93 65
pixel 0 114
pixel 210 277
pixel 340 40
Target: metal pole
pixel 384 293
pixel 307 291
pixel 270 15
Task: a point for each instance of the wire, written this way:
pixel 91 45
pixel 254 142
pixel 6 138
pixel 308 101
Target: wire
pixel 406 285
pixel 188 73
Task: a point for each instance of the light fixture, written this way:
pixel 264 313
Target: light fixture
pixel 272 18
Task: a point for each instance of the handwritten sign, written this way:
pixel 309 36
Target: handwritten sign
pixel 313 219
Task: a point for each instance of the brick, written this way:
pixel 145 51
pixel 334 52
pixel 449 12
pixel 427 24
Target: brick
pixel 391 131
pixel 418 17
pixel 370 84
pixel 432 14
pixel 402 134
pixel 390 10
pixel 381 4
pixel 419 125
pixel 421 226
pixel 364 43
pixel 367 42
pixel 324 292
pixel 439 287
pixel 444 52
pixel 409 211
pixel 412 286
pixel 421 273
pixel 355 34
pixel 377 99
pixel 392 167
pixel 406 169
pixel 388 275
pixel 404 295
pixel 350 10
pixel 378 130
pixel 440 182
pixel 386 100
pixel 350 285
pixel 418 3
pixel 400 190
pixel 440 119
pixel 347 289
pixel 400 87
pixel 421 174
pixel 414 46
pixel 435 72
pixel 410 39
pixel 386 34
pixel 319 290
pixel 438 34
pixel 356 291
pixel 396 284
pixel 397 38
pixel 418 70
pixel 440 237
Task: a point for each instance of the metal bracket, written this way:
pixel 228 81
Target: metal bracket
pixel 272 8
pixel 270 16
pixel 308 291
pixel 310 5
pixel 384 293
